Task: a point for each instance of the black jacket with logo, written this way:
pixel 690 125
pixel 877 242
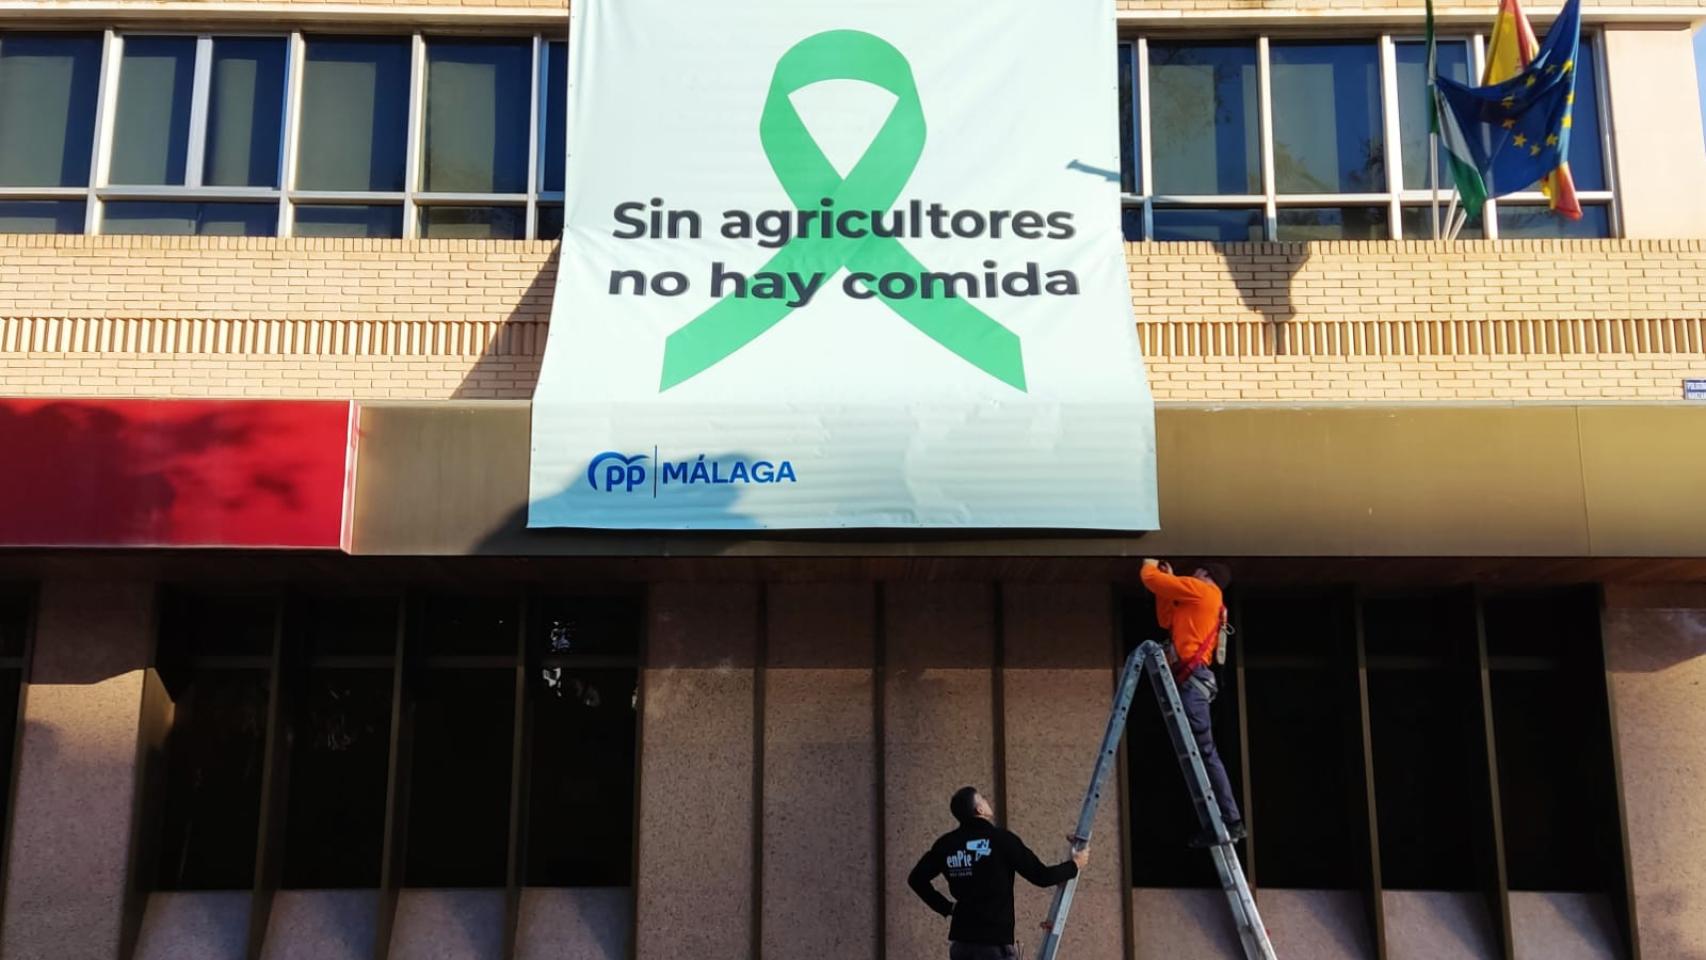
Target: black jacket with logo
pixel 980 860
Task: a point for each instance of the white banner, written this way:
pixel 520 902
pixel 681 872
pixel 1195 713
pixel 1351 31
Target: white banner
pixel 842 263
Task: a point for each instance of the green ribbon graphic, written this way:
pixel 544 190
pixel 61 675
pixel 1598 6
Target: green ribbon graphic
pixel 874 184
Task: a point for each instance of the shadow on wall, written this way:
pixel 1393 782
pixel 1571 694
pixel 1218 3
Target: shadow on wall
pixel 715 505
pixel 1263 275
pixel 508 367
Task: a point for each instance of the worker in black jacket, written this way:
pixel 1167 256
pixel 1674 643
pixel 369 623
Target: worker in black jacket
pixel 980 860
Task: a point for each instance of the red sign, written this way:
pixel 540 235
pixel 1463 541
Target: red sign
pixel 174 473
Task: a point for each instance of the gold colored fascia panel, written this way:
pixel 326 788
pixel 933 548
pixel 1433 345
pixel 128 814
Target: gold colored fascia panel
pixel 451 480
pixel 1645 474
pixel 435 479
pixel 1377 482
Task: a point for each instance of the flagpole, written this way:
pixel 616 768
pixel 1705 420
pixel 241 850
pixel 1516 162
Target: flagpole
pixel 1433 177
pixel 1462 219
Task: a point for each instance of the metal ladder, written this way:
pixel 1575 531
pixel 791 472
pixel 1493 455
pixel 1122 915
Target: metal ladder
pixel 1152 656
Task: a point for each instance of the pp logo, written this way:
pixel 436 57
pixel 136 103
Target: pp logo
pixel 613 472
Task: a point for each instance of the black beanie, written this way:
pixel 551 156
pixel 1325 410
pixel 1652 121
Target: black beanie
pixel 964 804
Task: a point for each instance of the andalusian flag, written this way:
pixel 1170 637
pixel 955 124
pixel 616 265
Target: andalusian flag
pixel 1459 160
pixel 1510 50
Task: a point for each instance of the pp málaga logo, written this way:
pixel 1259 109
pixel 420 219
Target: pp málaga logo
pixel 611 471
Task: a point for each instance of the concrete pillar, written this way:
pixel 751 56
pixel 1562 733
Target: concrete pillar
pixel 695 886
pixel 1058 683
pixel 1655 111
pixel 1655 643
pixel 938 735
pixel 820 765
pixel 71 822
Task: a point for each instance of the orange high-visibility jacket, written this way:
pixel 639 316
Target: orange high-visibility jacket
pixel 1189 609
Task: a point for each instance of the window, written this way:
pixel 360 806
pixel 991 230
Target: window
pixel 553 142
pixel 340 677
pixel 1306 758
pixel 48 89
pixel 477 100
pixel 195 136
pixel 15 610
pixel 1370 718
pixel 1340 153
pixel 1555 765
pixel 215 658
pixel 219 135
pixel 1430 757
pixel 1161 812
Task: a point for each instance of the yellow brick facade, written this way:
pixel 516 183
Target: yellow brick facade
pixel 1324 322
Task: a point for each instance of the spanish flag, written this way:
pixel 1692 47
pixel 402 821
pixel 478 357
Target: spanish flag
pixel 1510 50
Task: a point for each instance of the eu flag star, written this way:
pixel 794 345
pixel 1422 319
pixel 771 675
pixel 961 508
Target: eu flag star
pixel 1569 65
pixel 1551 139
pixel 1508 123
pixel 1508 102
pixel 1566 121
pixel 1519 140
pixel 1534 151
pixel 1530 81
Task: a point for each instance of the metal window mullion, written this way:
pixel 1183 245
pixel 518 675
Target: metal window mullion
pixel 1146 150
pixel 1490 209
pixel 294 56
pixel 106 105
pixel 536 117
pixel 1394 136
pixel 200 90
pixel 412 176
pixel 1264 88
pixel 1608 153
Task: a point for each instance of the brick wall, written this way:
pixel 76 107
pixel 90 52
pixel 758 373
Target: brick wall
pixel 1472 321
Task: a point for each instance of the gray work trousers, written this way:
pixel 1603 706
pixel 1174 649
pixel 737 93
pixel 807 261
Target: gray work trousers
pixel 979 951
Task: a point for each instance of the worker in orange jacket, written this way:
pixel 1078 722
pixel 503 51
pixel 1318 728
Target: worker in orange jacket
pixel 1192 610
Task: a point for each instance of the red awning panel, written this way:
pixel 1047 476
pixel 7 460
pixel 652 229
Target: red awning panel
pixel 174 473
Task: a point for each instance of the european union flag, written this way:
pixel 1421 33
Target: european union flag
pixel 1518 131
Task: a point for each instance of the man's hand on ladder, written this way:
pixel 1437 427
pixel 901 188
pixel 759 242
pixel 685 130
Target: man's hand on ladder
pixel 1080 851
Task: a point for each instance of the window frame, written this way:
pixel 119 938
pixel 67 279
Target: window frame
pixel 1395 197
pixel 288 197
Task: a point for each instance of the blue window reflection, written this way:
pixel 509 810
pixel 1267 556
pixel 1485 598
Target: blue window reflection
pixel 355 115
pixel 190 219
pixel 1587 149
pixel 1203 223
pixel 384 221
pixel 48 83
pixel 1333 223
pixel 1204 118
pixel 245 112
pixel 1414 108
pixel 555 85
pixel 1537 221
pixel 41 216
pixel 1131 146
pixel 478 94
pixel 1327 118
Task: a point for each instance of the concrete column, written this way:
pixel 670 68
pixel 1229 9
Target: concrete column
pixel 71 823
pixel 1655 115
pixel 820 789
pixel 938 736
pixel 694 888
pixel 1656 652
pixel 1058 677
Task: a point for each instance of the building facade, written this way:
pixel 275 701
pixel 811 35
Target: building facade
pixel 284 675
